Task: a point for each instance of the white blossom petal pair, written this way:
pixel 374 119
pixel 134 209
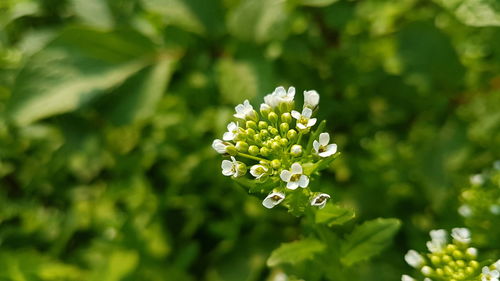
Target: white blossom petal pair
pixel 438 240
pixel 461 235
pixel 320 200
pixel 414 259
pixel 258 171
pixel 311 99
pixel 232 131
pixel 219 146
pixel 294 178
pixel 230 168
pixel 244 110
pixel 273 199
pixel 322 148
pixel 304 119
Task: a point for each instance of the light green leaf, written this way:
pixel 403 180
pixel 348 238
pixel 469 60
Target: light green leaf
pixel 317 3
pixel 258 20
pixel 176 12
pixel 334 215
pixel 474 12
pixel 295 252
pixel 368 239
pixel 77 66
pixel 93 12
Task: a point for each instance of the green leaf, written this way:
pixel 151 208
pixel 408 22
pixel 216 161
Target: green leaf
pixel 295 252
pixel 258 20
pixel 368 239
pixel 71 71
pixel 176 12
pixel 334 215
pixel 93 12
pixel 317 3
pixel 474 12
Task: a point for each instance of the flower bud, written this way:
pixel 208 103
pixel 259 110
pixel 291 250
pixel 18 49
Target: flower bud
pixel 274 131
pixel 257 138
pixel 263 124
pixel 242 146
pixel 265 109
pixel 474 264
pixel 283 142
pixel 264 151
pixel 253 116
pixel 273 117
pixel 435 259
pixel 446 259
pixel 440 271
pixel 471 253
pixel 276 163
pixel 284 127
pixel 457 254
pixel 250 132
pixel 311 99
pixel 241 168
pixel 275 145
pixel 253 150
pixel 286 117
pixel 231 150
pixel 291 134
pixel 296 150
pixel 264 133
pixel 460 263
pixel 251 124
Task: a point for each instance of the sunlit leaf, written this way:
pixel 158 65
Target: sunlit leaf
pixel 296 252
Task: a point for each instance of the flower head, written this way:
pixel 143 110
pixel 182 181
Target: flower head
pixel 462 235
pixel 320 200
pixel 311 99
pixel 294 178
pixel 233 168
pixel 304 119
pixel 244 111
pixel 258 171
pixel 322 148
pixel 273 199
pixel 414 259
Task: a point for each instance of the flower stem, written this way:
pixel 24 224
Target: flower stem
pixel 251 157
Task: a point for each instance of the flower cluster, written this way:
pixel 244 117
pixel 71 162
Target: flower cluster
pixel 279 148
pixel 450 261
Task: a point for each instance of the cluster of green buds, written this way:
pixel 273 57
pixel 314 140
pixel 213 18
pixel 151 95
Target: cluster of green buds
pixel 450 261
pixel 280 149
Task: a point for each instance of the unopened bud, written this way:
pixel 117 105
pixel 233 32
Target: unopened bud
pixel 273 117
pixel 435 260
pixel 291 134
pixel 296 150
pixel 273 131
pixel 275 145
pixel 242 146
pixel 250 132
pixel 264 133
pixel 283 142
pixel 253 116
pixel 263 124
pixel 284 127
pixel 241 168
pixel 265 109
pixel 231 150
pixel 264 151
pixel 251 124
pixel 257 138
pixel 457 254
pixel 286 117
pixel 253 150
pixel 276 163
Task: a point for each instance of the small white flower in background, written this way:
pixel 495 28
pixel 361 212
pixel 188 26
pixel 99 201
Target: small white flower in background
pixel 438 240
pixel 273 199
pixel 283 96
pixel 219 146
pixel 320 200
pixel 232 131
pixel 414 259
pixel 407 278
pixel 322 148
pixel 495 209
pixel 258 171
pixel 427 279
pixel 496 165
pixel 426 270
pixel 231 168
pixel 471 252
pixel 311 99
pixel 461 235
pixel 294 178
pixel 304 120
pixel 489 275
pixel 476 179
pixel 497 265
pixel 465 211
pixel 244 110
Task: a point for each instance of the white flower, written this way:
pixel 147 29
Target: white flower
pixel 219 146
pixel 407 278
pixel 311 99
pixel 438 240
pixel 231 168
pixel 489 275
pixel 258 171
pixel 322 148
pixel 280 95
pixel 264 107
pixel 465 211
pixel 294 178
pixel 304 120
pixel 244 110
pixel 461 235
pixel 414 259
pixel 273 199
pixel 476 179
pixel 497 264
pixel 320 200
pixel 232 131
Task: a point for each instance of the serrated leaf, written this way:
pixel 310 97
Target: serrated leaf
pixel 474 12
pixel 79 65
pixel 334 215
pixel 295 252
pixel 368 239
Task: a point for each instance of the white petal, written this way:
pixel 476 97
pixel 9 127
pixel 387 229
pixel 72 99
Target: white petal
pixel 280 91
pixel 307 112
pixel 295 114
pixel 495 274
pixel 292 185
pixel 228 136
pixel 285 175
pixel 311 98
pixel 296 168
pixel 316 146
pixel 406 278
pixel 311 122
pixel 232 126
pixel 219 146
pixel 268 203
pixel 291 92
pixel 303 181
pixel 330 150
pixel 264 107
pixel 301 126
pixel 226 164
pixel 324 139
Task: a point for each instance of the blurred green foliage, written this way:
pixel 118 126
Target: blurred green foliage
pixel 108 110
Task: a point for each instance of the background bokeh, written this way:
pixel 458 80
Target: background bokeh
pixel 109 108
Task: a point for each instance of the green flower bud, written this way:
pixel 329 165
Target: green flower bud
pixel 265 109
pixel 286 117
pixel 283 142
pixel 276 164
pixel 242 134
pixel 474 264
pixel 460 263
pixel 435 260
pixel 273 117
pixel 450 248
pixel 291 134
pixel 284 127
pixel 242 146
pixel 251 124
pixel 296 150
pixel 264 133
pixel 264 151
pixel 274 131
pixel 231 150
pixel 242 168
pixel 257 138
pixel 253 150
pixel 250 132
pixel 469 270
pixel 263 124
pixel 275 145
pixel 253 116
pixel 448 270
pixel 440 272
pixel 277 138
pixel 446 259
pixel 457 254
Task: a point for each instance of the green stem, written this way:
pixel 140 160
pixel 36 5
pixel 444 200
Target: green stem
pixel 251 157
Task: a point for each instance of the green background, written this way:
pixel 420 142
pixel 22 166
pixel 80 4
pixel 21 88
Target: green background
pixel 109 108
